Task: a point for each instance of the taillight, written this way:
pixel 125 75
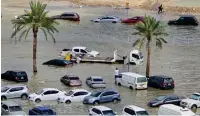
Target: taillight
pixel 164 84
pixel 16 78
pixel 173 83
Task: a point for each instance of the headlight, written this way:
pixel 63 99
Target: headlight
pixel 91 100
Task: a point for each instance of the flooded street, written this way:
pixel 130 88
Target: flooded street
pixel 179 58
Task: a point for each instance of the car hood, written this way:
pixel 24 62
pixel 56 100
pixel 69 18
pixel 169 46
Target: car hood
pixel 153 101
pixel 88 97
pixel 33 95
pixel 188 100
pixel 94 52
pixel 19 113
pixel 3 93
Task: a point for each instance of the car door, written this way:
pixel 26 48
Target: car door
pixel 46 95
pixel 104 19
pixel 106 97
pixel 13 93
pixel 168 100
pixel 128 111
pixel 175 100
pixel 4 109
pixel 54 94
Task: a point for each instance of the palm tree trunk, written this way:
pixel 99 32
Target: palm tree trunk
pixel 148 59
pixel 34 50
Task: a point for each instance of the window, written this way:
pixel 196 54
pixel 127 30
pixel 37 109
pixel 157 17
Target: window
pixel 15 108
pixel 141 79
pixel 168 80
pixel 97 79
pixel 73 78
pixel 96 111
pixel 174 98
pixel 40 92
pixel 89 78
pixel 83 51
pixel 142 113
pixel 21 74
pixel 160 98
pixel 47 92
pixel 5 107
pixel 109 93
pixel 129 111
pixel 95 94
pixel 135 56
pixel 80 93
pixel 54 92
pixel 69 93
pixel 48 112
pixel 67 15
pixel 108 113
pixel 13 90
pixel 105 18
pixel 168 99
pixel 19 88
pixel 195 97
pixel 37 111
pixel 76 50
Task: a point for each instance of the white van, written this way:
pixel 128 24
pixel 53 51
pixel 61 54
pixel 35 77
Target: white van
pixel 132 80
pixel 170 110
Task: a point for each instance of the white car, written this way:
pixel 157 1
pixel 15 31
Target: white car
pixel 46 94
pixel 131 110
pixel 111 19
pixel 193 102
pixel 95 82
pixel 101 111
pixel 76 95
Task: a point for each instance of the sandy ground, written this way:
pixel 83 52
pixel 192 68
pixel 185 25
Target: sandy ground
pixel 169 5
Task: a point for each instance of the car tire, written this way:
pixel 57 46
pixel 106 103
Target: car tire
pixel 114 22
pixel 131 87
pixel 3 98
pixel 68 102
pixel 96 21
pixel 115 100
pixel 95 103
pixel 194 108
pixel 119 84
pixel 37 100
pixel 24 96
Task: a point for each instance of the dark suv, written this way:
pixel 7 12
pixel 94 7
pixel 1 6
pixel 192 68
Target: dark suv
pixel 17 76
pixel 184 20
pixel 160 81
pixel 68 16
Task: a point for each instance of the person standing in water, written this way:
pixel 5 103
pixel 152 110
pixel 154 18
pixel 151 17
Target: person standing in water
pixel 116 73
pixel 160 9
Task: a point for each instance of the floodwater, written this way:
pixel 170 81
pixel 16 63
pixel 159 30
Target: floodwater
pixel 179 58
pixel 192 3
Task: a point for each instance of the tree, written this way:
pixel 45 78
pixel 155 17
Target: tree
pixel 36 19
pixel 150 30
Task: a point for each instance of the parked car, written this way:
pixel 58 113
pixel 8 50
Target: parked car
pixel 71 80
pixel 11 108
pixel 101 110
pixel 72 16
pixel 193 102
pixel 165 99
pixel 185 20
pixel 80 50
pixel 132 110
pixel 161 82
pixel 132 80
pixel 95 82
pixel 14 91
pixel 112 19
pixel 133 20
pixel 101 96
pixel 15 75
pixel 76 95
pixel 41 111
pixel 46 94
pixel 59 62
pixel 173 110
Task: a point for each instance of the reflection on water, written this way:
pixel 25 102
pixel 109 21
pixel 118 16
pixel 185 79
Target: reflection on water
pixel 179 58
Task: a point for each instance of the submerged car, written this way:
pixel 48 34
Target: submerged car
pixel 11 108
pixel 72 16
pixel 71 80
pixel 15 75
pixel 58 62
pixel 112 19
pixel 132 110
pixel 101 110
pixel 41 111
pixel 133 20
pixel 95 82
pixel 184 20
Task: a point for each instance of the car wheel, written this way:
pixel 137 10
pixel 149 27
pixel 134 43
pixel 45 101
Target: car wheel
pixel 114 22
pixel 3 98
pixel 115 100
pixel 68 102
pixel 24 96
pixel 194 108
pixel 96 21
pixel 37 100
pixel 96 103
pixel 119 84
pixel 131 87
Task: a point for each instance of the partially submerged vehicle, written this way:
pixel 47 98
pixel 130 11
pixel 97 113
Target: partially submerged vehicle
pixel 184 20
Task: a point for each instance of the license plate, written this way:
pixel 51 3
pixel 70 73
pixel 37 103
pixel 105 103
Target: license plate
pixel 22 77
pixel 169 84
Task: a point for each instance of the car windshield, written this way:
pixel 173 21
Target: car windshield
pixel 48 112
pixel 108 112
pixel 67 62
pixel 73 78
pixel 97 79
pixel 160 98
pixel 168 80
pixel 88 50
pixel 4 89
pixel 95 94
pixel 69 93
pixel 139 113
pixel 40 92
pixel 21 74
pixel 141 79
pixel 195 97
pixel 15 108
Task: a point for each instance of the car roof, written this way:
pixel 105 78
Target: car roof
pixel 42 108
pixel 102 108
pixel 188 16
pixel 136 108
pixel 161 76
pixel 10 103
pixel 46 89
pixel 77 90
pixel 69 13
pixel 14 85
pixel 169 95
pixel 197 93
pixel 186 111
pixel 108 89
pixel 79 47
pixel 96 77
pixel 132 74
pixel 16 70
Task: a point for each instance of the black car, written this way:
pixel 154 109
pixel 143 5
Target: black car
pixel 59 62
pixel 15 75
pixel 184 20
pixel 167 99
pixel 161 82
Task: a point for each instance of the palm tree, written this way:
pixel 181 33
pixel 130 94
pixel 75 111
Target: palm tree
pixel 36 19
pixel 150 30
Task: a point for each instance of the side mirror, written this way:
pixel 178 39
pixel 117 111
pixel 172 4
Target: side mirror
pixel 42 94
pixel 72 96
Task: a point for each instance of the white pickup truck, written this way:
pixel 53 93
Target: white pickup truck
pixel 193 102
pixel 80 50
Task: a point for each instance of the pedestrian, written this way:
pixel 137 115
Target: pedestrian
pixel 116 73
pixel 160 9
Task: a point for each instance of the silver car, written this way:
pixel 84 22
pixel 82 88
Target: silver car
pixel 11 108
pixel 95 82
pixel 14 91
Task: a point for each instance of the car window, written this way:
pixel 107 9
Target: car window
pixel 47 92
pixel 134 18
pixel 174 98
pixel 5 107
pixel 83 51
pixel 139 113
pixel 129 111
pixel 135 56
pixel 15 108
pixel 168 80
pixel 109 93
pixel 97 79
pixel 73 78
pixel 168 99
pixel 54 92
pixel 95 94
pixel 80 93
pixel 37 111
pixel 141 79
pixel 21 74
pixel 76 50
pixel 160 98
pixel 89 78
pixel 13 90
pixel 108 113
pixel 40 92
pixel 67 15
pixel 104 18
pixel 96 111
pixel 69 93
pixel 19 88
pixel 195 97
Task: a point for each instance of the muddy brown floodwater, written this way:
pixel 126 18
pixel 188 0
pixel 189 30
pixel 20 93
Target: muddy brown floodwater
pixel 179 58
